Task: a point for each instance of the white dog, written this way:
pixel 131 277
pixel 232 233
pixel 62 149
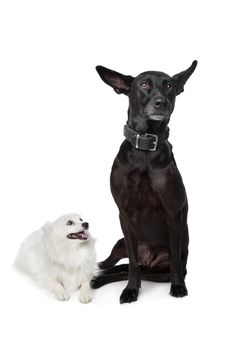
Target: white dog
pixel 61 257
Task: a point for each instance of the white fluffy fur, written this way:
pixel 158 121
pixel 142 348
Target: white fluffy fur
pixel 60 264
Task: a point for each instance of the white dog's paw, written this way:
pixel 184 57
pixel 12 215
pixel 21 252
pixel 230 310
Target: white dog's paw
pixel 62 296
pixel 85 298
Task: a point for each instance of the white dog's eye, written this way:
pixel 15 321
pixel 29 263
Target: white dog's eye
pixel 80 219
pixel 70 222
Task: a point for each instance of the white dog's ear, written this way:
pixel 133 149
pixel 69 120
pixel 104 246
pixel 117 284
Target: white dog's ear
pixel 47 227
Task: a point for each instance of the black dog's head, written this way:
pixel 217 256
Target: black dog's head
pixel 151 94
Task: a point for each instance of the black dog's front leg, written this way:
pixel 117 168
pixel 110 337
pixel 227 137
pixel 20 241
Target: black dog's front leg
pixel 175 223
pixel 130 293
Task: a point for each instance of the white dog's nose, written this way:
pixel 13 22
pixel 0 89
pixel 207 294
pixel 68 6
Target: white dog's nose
pixel 85 225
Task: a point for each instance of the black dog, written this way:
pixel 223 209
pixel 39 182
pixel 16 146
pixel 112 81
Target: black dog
pixel 147 187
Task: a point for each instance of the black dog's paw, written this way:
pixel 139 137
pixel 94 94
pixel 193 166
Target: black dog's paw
pixel 97 282
pixel 129 295
pixel 178 290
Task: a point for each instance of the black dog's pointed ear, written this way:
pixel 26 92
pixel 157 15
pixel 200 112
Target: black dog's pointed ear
pixel 119 82
pixel 181 78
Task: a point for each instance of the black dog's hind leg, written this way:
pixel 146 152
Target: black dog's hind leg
pixel 121 272
pixel 118 252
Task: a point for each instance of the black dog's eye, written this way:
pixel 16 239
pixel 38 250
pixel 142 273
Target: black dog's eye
pixel 144 85
pixel 169 86
pixel 70 222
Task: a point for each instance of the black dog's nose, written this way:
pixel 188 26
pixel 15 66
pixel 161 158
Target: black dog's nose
pixel 160 103
pixel 85 225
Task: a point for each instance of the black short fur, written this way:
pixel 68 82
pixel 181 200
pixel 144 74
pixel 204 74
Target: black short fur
pixel 148 189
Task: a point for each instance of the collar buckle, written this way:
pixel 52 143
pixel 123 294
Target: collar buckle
pixel 155 142
pixel 137 140
pixel 145 141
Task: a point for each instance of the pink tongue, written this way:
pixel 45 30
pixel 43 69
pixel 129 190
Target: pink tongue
pixel 78 235
pixel 82 235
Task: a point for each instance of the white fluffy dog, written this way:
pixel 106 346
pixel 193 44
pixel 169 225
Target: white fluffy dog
pixel 61 257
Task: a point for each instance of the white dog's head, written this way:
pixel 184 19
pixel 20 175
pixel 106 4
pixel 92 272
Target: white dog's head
pixel 68 228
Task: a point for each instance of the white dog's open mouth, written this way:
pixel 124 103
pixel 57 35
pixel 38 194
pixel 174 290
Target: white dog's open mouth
pixel 78 235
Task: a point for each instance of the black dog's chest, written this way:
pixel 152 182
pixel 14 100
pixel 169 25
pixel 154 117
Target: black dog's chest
pixel 138 193
pixel 136 196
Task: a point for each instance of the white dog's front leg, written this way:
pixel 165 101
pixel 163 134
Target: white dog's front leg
pixel 58 290
pixel 85 293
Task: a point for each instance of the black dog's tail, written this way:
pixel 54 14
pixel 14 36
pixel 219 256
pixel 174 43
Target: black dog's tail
pixel 121 273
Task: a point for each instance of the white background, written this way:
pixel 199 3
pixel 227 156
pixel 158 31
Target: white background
pixel 61 127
